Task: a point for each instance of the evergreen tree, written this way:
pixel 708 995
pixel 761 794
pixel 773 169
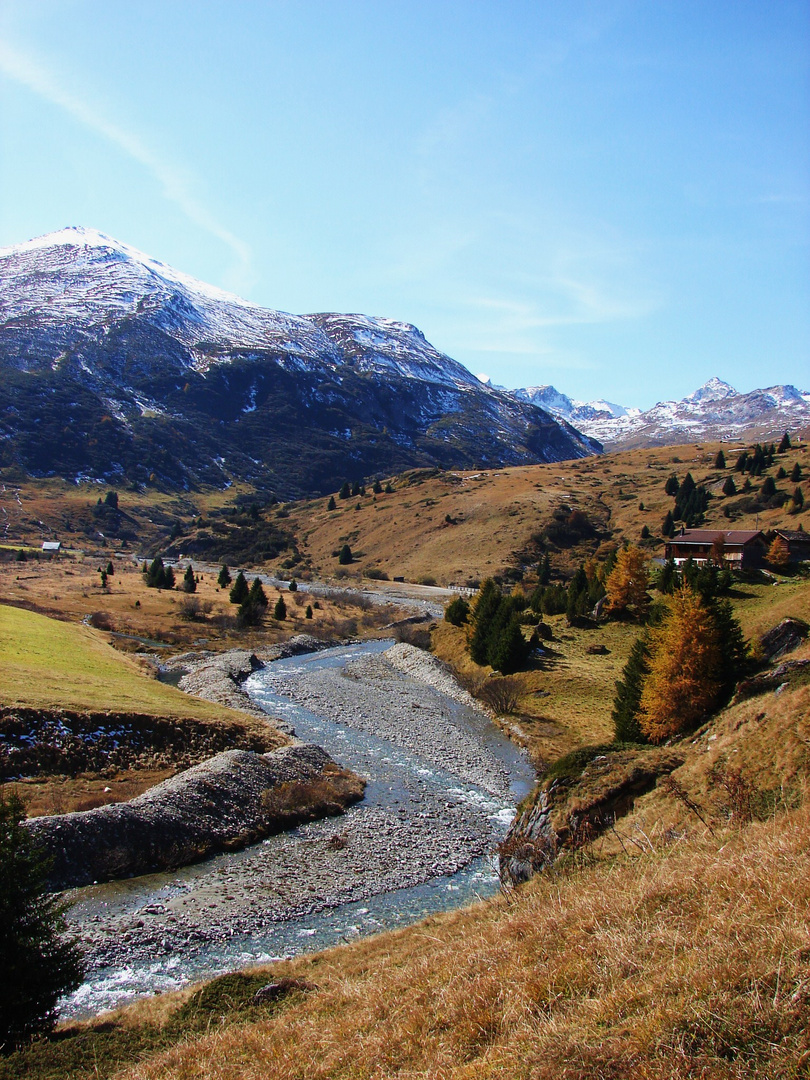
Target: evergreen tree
pixel 280 610
pixel 796 473
pixel 768 487
pixel 742 462
pixel 111 499
pixel 729 487
pixel 345 490
pixel 356 490
pixel 544 570
pixel 224 578
pixel 331 505
pixel 457 611
pixel 668 525
pixel 110 569
pixel 645 532
pixel 159 576
pixel 345 555
pixel 784 445
pixel 103 574
pixel 576 604
pixel 627 700
pixel 667 578
pixel 780 473
pixel 189 581
pixel 293 586
pixel 720 460
pixel 308 613
pixel 510 650
pixel 798 501
pixel 377 488
pixel 671 487
pixel 388 489
pixel 257 595
pixel 239 591
pixel 39 965
pixel 482 615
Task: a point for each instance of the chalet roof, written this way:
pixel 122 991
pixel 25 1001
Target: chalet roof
pixel 708 536
pixel 51 545
pixel 793 534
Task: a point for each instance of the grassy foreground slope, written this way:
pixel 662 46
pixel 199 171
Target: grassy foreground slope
pixel 45 663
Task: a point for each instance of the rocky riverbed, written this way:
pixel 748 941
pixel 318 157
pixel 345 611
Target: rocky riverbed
pixel 438 797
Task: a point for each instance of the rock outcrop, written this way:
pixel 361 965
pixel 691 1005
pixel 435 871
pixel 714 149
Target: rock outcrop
pixel 225 803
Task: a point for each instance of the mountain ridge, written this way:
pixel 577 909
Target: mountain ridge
pixel 120 368
pixel 714 411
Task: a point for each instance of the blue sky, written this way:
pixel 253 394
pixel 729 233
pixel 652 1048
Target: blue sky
pixel 611 197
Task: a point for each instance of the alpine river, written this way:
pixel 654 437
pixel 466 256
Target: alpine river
pixel 443 784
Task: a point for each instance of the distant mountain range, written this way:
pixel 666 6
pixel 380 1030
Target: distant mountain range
pixel 715 411
pixel 114 366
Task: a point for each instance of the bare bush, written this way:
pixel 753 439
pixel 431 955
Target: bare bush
pixel 419 636
pixel 193 609
pixel 503 694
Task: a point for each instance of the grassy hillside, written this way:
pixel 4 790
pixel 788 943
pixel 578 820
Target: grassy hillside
pixel 50 664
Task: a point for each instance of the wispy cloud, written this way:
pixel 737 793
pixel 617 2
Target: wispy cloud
pixel 174 181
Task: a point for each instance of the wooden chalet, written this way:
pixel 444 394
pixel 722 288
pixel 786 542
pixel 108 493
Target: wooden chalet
pixel 51 547
pixel 798 543
pixel 741 548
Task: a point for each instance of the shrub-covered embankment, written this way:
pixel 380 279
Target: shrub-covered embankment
pixel 225 803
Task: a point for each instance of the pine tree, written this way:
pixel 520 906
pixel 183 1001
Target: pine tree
pixel 224 578
pixel 627 701
pixel 671 487
pixel 345 490
pixel 189 581
pixel 645 532
pixel 796 473
pixel 742 462
pixel 509 651
pixel 293 586
pixel 331 505
pixel 729 487
pixel 345 555
pixel 240 591
pixel 110 568
pixel 377 488
pixel 457 611
pixel 308 613
pixel 668 525
pixel 627 584
pixel 797 501
pixel 257 594
pixel 280 610
pixel 768 487
pixel 784 445
pixel 667 578
pixel 388 489
pixel 39 965
pixel 544 570
pixel 685 663
pixel 720 460
pixel 482 615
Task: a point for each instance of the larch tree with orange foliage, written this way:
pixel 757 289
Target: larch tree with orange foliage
pixel 686 663
pixel 626 585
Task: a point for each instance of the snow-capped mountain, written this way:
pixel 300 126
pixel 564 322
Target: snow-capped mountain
pixel 714 411
pixel 117 365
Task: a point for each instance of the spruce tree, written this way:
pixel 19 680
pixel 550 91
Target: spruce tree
pixel 720 460
pixel 796 473
pixel 798 500
pixel 345 490
pixel 377 488
pixel 293 586
pixel 189 581
pixel 257 594
pixel 308 613
pixel 39 965
pixel 331 505
pixel 240 591
pixel 457 611
pixel 510 650
pixel 627 700
pixel 671 487
pixel 345 555
pixel 482 616
pixel 729 487
pixel 784 445
pixel 668 525
pixel 224 578
pixel 768 487
pixel 280 610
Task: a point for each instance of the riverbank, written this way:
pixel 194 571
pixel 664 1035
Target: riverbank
pixel 438 798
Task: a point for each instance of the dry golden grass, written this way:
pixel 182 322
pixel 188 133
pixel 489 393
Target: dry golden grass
pixel 495 512
pixel 692 960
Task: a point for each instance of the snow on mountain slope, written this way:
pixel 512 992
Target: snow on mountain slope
pixel 98 340
pixel 714 410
